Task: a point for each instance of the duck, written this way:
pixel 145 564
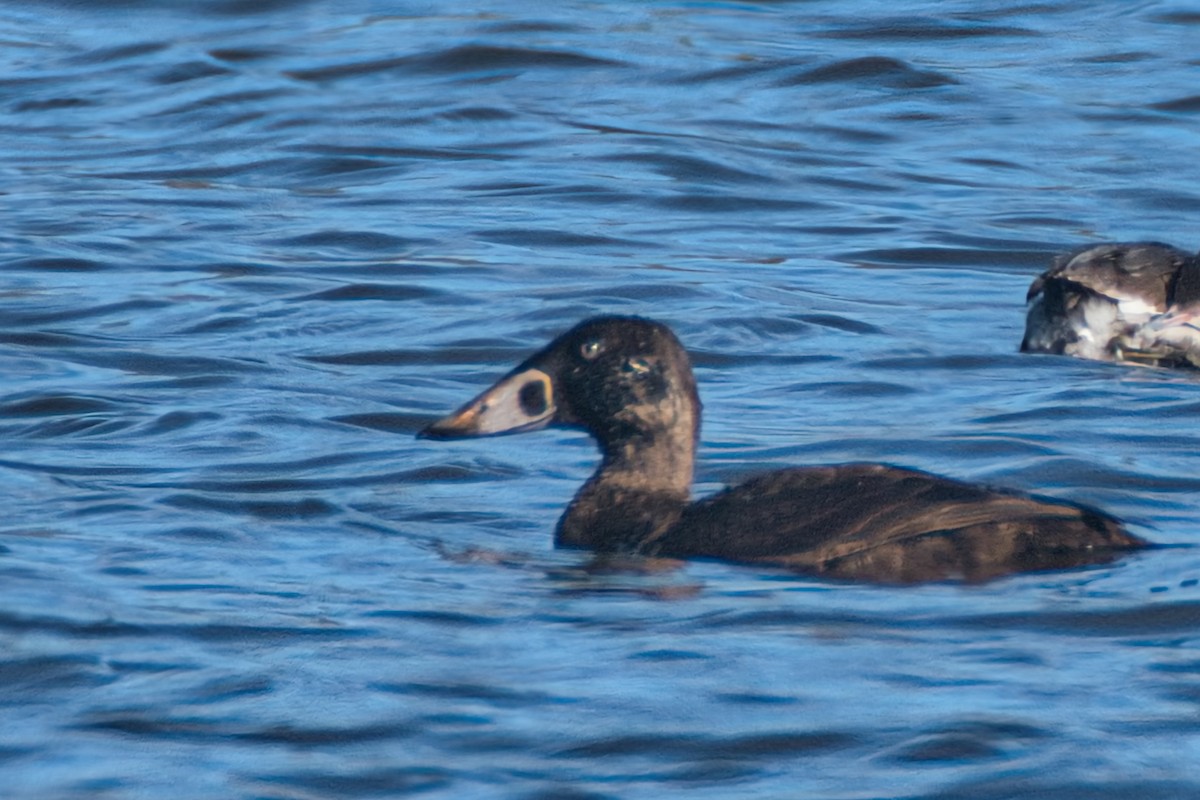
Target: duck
pixel 628 382
pixel 1125 302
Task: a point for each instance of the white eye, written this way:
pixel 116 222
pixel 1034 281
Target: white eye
pixel 591 348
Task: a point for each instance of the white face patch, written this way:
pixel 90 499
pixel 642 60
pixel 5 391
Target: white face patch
pixel 1096 323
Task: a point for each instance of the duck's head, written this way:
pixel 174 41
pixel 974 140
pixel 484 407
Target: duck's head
pixel 625 380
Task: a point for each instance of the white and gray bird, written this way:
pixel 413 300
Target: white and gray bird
pixel 1129 302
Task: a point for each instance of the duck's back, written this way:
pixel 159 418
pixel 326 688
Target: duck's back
pixel 884 523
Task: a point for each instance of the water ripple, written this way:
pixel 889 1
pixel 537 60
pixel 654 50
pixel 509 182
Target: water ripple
pixel 461 59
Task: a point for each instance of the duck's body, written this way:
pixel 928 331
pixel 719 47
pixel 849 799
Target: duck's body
pixel 1129 302
pixel 629 383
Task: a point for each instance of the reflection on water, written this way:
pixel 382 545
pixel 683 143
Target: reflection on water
pixel 251 248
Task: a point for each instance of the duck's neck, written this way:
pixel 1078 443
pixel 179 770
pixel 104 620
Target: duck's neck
pixel 639 491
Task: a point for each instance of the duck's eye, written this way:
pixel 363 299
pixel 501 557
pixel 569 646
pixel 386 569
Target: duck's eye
pixel 637 365
pixel 591 348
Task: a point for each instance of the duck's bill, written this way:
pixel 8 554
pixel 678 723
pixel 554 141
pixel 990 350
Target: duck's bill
pixel 1176 318
pixel 522 401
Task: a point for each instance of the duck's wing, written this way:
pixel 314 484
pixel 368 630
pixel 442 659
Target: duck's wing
pixel 882 523
pixel 1173 337
pixel 1141 276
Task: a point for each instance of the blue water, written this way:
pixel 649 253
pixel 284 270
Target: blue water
pixel 250 248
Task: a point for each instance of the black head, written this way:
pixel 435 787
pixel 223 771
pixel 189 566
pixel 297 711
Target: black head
pixel 619 378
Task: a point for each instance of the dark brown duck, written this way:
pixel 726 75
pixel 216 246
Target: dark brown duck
pixel 629 383
pixel 1131 302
